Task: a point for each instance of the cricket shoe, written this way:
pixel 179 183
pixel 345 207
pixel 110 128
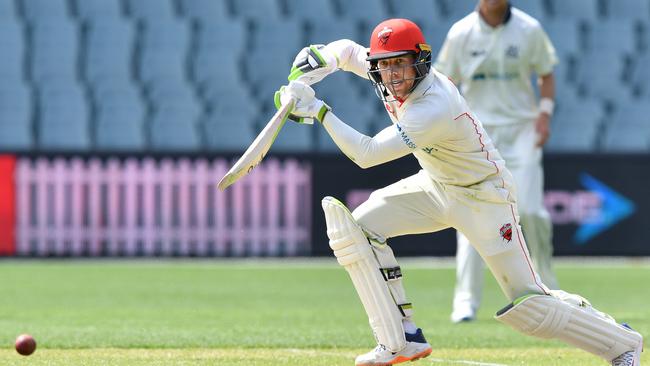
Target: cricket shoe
pixel 629 358
pixel 416 347
pixel 464 314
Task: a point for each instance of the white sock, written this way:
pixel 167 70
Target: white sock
pixel 409 326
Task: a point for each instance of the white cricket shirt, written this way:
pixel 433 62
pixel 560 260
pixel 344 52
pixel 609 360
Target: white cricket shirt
pixel 434 124
pixel 493 65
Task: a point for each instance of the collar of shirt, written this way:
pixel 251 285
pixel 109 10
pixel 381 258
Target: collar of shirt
pixel 485 27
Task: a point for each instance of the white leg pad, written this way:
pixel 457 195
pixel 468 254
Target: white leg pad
pixel 355 254
pixel 572 319
pixel 392 274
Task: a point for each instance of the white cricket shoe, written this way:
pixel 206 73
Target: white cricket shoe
pixel 463 314
pixel 629 358
pixel 416 347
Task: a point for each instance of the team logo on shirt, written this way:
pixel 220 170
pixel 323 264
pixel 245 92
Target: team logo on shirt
pixel 512 51
pixel 506 232
pixel 384 34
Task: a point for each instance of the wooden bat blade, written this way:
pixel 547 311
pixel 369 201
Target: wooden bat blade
pixel 258 149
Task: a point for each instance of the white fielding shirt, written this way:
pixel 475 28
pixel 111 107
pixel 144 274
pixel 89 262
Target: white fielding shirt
pixel 493 65
pixel 434 124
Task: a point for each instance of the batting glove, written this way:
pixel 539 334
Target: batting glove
pixel 313 64
pixel 307 107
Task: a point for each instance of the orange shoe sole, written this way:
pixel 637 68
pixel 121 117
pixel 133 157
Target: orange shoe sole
pixel 400 359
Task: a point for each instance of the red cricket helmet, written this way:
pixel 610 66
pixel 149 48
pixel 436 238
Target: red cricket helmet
pixel 394 38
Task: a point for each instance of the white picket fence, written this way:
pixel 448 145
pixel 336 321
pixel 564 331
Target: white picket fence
pixel 167 207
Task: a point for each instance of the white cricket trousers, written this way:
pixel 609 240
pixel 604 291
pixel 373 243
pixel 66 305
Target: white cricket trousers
pixel 485 212
pixel 516 143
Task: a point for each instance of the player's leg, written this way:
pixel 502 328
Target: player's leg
pixel 516 143
pixel 469 281
pixel 359 243
pixel 535 310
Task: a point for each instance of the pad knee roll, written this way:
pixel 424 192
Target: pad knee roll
pixel 355 254
pixel 570 318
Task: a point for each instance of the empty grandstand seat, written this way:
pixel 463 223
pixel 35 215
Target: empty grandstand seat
pixel 628 129
pixel 228 132
pixel 55 49
pixel 435 33
pixel 294 137
pixel 534 8
pixel 150 9
pixel 108 51
pixel 39 10
pixel 209 10
pixel 284 37
pixel 12 49
pixel 210 65
pixel 575 9
pixel 98 9
pixel 457 9
pixel 163 48
pixel 575 126
pixel 8 11
pixel 565 36
pixel 225 36
pixel 120 126
pixel 268 10
pixel 173 131
pixel 420 11
pixel 16 111
pixel 115 91
pixel 171 94
pixel 627 9
pixel 63 118
pixel 369 12
pixel 311 10
pixel 595 82
pixel 612 36
pixel 640 75
pixel 324 31
pixel 267 76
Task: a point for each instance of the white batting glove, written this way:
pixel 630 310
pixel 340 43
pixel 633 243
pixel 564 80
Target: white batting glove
pixel 313 64
pixel 308 107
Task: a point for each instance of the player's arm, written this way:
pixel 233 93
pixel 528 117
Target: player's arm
pixel 546 106
pixel 365 151
pixel 314 63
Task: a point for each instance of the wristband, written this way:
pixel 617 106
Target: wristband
pixel 547 105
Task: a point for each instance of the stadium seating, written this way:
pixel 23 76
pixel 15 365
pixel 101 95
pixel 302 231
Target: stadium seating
pixel 36 11
pixel 133 75
pixel 580 10
pixel 204 10
pixel 258 10
pixel 629 128
pixel 108 50
pixel 311 10
pixel 16 111
pixel 92 10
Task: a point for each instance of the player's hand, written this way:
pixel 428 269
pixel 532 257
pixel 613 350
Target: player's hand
pixel 307 106
pixel 542 126
pixel 313 64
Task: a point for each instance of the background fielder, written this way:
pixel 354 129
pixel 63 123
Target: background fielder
pixel 463 184
pixel 492 54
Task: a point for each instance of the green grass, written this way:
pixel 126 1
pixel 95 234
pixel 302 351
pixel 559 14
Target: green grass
pixel 268 313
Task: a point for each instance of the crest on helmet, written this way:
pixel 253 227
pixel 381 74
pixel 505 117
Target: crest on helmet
pixel 384 35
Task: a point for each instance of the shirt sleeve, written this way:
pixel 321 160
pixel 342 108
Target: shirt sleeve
pixel 351 56
pixel 366 151
pixel 446 60
pixel 543 56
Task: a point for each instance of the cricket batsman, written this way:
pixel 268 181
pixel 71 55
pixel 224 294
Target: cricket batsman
pixel 464 184
pixel 492 53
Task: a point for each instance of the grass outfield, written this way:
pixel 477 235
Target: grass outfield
pixel 269 313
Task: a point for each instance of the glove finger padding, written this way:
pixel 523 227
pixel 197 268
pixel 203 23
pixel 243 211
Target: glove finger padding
pixel 313 64
pixel 277 100
pixel 307 106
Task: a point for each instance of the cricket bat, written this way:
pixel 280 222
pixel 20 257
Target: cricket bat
pixel 260 146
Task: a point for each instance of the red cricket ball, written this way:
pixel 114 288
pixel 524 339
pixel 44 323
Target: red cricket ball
pixel 25 344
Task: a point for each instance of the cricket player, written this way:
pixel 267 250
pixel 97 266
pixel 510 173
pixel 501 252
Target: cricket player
pixel 464 184
pixel 492 54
